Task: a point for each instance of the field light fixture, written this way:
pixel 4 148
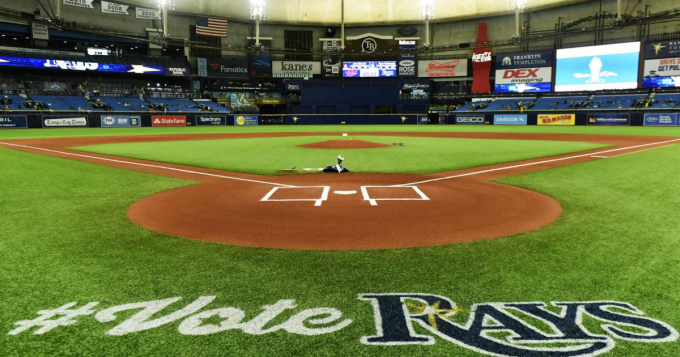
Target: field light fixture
pixel 257 9
pixel 166 4
pixel 516 4
pixel 427 9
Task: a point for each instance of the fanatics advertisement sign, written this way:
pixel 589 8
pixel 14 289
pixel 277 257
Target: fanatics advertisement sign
pixel 169 120
pixel 295 69
pixel 215 67
pixel 443 68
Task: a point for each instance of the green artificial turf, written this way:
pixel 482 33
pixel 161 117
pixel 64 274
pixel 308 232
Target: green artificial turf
pixel 603 130
pixel 266 155
pixel 65 238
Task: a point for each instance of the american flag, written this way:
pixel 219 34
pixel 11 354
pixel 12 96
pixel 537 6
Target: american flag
pixel 211 26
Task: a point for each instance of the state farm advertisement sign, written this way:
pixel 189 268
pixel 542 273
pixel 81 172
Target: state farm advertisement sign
pixel 443 68
pixel 524 75
pixel 169 120
pixel 662 67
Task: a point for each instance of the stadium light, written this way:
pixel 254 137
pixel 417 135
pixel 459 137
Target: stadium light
pixel 166 4
pixel 517 6
pixel 257 9
pixel 427 14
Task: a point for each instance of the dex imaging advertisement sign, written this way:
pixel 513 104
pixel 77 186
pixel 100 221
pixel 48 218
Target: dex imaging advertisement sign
pixel 522 80
pixel 443 68
pixel 470 119
pixel 295 69
pixel 211 120
pixel 78 66
pixel 608 119
pixel 407 65
pixel 662 119
pixel 168 120
pixel 556 119
pixel 510 119
pixel 235 68
pixel 597 67
pixel 121 121
pixel 65 122
pixel 13 122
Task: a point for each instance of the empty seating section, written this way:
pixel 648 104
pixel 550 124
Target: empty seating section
pixel 51 102
pixel 175 105
pixel 14 102
pixel 504 104
pixel 666 101
pixel 126 104
pixel 214 106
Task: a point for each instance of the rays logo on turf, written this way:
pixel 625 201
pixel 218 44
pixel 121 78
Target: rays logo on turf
pixel 497 328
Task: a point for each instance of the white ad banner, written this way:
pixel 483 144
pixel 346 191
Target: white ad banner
pixel 114 8
pixel 79 3
pixel 443 68
pixel 295 69
pixel 40 31
pixel 524 75
pixel 148 14
pixel 664 67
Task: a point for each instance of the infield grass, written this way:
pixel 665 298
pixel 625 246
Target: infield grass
pixel 264 156
pixel 65 238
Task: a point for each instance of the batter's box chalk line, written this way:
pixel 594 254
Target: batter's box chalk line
pixel 374 201
pixel 317 201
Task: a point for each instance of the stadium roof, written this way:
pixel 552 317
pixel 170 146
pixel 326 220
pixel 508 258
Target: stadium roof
pixel 356 11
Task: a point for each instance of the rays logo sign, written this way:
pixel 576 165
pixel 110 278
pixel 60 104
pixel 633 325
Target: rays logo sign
pixel 565 328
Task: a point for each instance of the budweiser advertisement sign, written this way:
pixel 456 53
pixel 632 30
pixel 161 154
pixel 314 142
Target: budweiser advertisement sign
pixel 481 62
pixel 443 68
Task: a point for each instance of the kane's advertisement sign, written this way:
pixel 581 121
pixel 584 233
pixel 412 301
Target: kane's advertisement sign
pixel 295 69
pixel 558 328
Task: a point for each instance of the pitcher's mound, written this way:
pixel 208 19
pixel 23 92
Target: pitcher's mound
pixel 344 144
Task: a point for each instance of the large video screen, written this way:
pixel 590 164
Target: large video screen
pixel 78 66
pixel 369 69
pixel 597 67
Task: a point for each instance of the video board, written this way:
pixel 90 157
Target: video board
pixel 369 69
pixel 78 65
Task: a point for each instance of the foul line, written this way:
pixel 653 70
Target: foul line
pixel 538 163
pixel 149 165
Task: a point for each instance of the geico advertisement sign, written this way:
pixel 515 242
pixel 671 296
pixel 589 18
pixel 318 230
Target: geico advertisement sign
pixel 556 119
pixel 470 119
pixel 65 122
pixel 662 67
pixel 295 69
pixel 443 68
pixel 165 120
pixel 211 120
pixel 524 75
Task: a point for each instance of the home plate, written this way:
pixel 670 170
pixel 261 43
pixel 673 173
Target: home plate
pixel 345 193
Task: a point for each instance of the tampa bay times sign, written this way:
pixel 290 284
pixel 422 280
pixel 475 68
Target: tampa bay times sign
pixel 493 328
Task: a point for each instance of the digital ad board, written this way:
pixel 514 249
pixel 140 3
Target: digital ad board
pixel 120 121
pixel 260 65
pixel 608 119
pixel 245 120
pixel 469 119
pixel 211 120
pixel 65 122
pixel 510 119
pixel 168 120
pixel 443 68
pixel 556 119
pixel 597 67
pixel 662 64
pixel 369 69
pixel 223 68
pixel 662 119
pixel 13 122
pixel 407 65
pixel 524 72
pixel 79 66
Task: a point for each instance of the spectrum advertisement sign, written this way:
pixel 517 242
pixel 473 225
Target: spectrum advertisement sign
pixel 65 122
pixel 242 120
pixel 662 119
pixel 510 119
pixel 470 119
pixel 120 121
pixel 443 68
pixel 79 66
pixel 556 119
pixel 608 119
pixel 211 120
pixel 168 120
pixel 13 122
pixel 597 67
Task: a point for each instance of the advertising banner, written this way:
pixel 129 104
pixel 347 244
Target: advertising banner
pixel 114 8
pixel 481 62
pixel 121 121
pixel 241 120
pixel 148 14
pixel 235 68
pixel 608 119
pixel 168 120
pixel 556 119
pixel 40 31
pixel 332 65
pixel 369 69
pixel 211 120
pixel 202 65
pixel 407 65
pixel 524 75
pixel 661 82
pixel 78 65
pixel 662 49
pixel 443 68
pixel 177 72
pixel 468 119
pixel 524 60
pixel 65 122
pixel 295 69
pixel 664 67
pixel 415 84
pixel 260 65
pixel 597 67
pixel 510 119
pixel 13 122
pixel 87 4
pixel 662 119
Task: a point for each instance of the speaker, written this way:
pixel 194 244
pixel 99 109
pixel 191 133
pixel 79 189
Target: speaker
pixel 330 32
pixel 464 45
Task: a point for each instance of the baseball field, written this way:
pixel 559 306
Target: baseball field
pixel 460 240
